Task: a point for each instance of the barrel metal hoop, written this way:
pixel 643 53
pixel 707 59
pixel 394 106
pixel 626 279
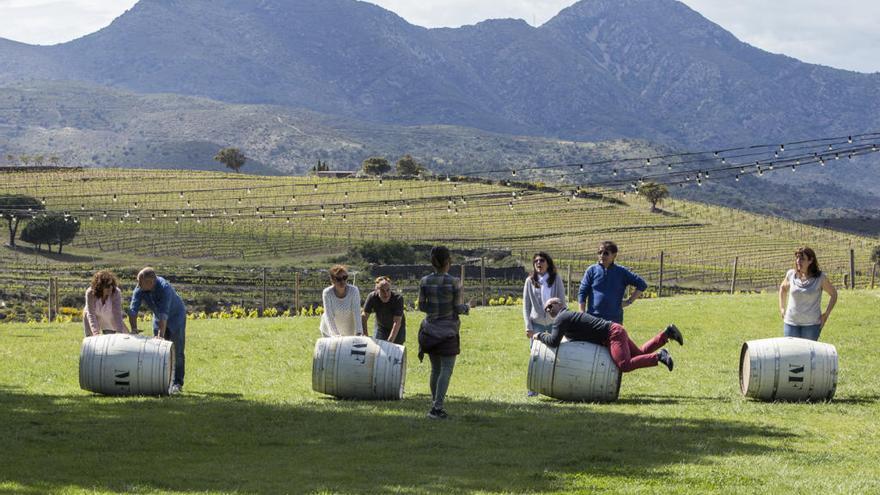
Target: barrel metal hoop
pixel 776 359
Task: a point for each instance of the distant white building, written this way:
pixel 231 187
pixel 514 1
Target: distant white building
pixel 338 174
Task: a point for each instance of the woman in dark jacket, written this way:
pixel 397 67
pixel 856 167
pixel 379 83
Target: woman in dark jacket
pixel 440 299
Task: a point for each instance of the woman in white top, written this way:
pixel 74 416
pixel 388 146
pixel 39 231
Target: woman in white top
pixel 800 297
pixel 342 306
pixel 103 310
pixel 542 285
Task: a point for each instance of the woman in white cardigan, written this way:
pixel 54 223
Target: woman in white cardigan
pixel 342 306
pixel 103 310
pixel 542 285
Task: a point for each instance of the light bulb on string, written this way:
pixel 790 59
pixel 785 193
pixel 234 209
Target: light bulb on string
pixel 400 214
pixel 850 156
pixel 188 204
pixel 248 190
pixel 513 172
pixel 136 205
pixel 261 218
pixel 849 139
pixel 648 162
pixel 830 147
pixel 614 172
pixel 793 168
pixel 581 168
pixel 380 182
pixel 316 186
pixel 837 156
pixel 44 199
pixel 781 148
pixel 288 220
pixel 775 154
pixel 91 217
pixel 323 216
pixel 668 166
pixel 401 191
pixel 105 214
pixel 121 220
pixel 82 206
pixel 199 220
pixel 114 198
pixel 231 221
pixel 153 217
pixel 770 165
pixel 699 182
pixel 164 214
pixel 386 213
pixel 181 194
pixel 737 177
pixel 239 201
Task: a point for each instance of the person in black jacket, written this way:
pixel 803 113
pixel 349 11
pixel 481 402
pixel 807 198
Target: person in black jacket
pixel 440 299
pixel 625 353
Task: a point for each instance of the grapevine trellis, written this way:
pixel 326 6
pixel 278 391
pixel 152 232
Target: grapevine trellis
pixel 216 216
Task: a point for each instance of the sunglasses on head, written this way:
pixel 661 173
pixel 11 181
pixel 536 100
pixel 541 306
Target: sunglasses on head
pixel 341 278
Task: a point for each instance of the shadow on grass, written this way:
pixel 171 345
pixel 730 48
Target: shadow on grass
pixel 223 442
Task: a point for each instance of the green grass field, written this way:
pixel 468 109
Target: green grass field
pixel 249 422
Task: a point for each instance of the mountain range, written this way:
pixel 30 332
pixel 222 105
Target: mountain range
pixel 344 79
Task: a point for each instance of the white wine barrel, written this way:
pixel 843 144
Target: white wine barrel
pixel 356 367
pixel 577 371
pixel 788 368
pixel 125 364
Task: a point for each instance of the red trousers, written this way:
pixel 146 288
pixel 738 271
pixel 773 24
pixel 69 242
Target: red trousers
pixel 626 355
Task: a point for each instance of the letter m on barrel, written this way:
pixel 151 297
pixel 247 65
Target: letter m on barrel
pixel 796 375
pixel 121 379
pixel 359 352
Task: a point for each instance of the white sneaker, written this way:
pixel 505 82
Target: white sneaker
pixel 175 389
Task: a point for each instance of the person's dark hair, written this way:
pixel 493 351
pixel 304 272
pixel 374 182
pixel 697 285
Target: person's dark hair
pixel 103 279
pixel 609 245
pixel 551 269
pixel 440 257
pixel 812 270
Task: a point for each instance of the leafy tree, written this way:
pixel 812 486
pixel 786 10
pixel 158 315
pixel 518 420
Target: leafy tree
pixel 376 165
pixel 233 158
pixel 655 193
pixel 386 252
pixel 24 159
pixel 38 160
pixel 54 160
pixel 321 167
pixel 408 166
pixel 17 207
pixel 49 229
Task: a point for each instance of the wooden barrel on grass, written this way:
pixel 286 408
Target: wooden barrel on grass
pixel 788 368
pixel 356 367
pixel 124 364
pixel 575 371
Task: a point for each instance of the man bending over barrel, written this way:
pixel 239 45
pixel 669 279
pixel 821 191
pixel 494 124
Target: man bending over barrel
pixel 169 316
pixel 624 352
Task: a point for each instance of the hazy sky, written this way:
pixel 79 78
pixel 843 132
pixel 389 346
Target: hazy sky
pixel 840 33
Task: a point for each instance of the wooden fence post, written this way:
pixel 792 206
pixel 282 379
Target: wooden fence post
pixel 49 300
pixel 660 283
pixel 568 290
pixel 296 293
pixel 873 274
pixel 733 275
pixel 852 269
pixel 483 279
pixel 263 302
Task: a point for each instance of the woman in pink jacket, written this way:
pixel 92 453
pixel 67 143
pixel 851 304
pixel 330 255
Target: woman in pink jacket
pixel 103 311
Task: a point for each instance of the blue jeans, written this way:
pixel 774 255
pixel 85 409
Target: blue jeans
pixel 441 373
pixel 810 332
pixel 178 338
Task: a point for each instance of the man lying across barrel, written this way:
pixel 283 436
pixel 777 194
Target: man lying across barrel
pixel 624 352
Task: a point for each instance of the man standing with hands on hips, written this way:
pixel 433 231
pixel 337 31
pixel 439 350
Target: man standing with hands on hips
pixel 604 284
pixel 169 317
